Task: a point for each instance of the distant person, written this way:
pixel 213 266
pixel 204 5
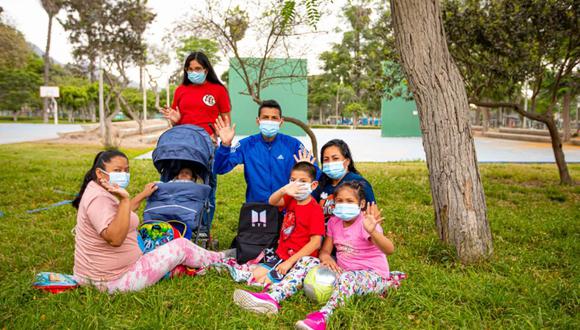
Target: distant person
pixel 268 157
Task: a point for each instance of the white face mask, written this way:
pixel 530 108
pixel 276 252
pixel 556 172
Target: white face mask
pixel 307 193
pixel 120 178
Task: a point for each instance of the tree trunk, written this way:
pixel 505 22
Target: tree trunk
pixel 485 119
pixel 47 68
pixel 478 116
pixel 308 131
pixel 565 177
pixel 439 91
pixel 566 116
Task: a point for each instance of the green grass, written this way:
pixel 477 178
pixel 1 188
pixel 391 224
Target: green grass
pixel 531 282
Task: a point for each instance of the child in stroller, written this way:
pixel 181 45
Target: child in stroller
pixel 184 158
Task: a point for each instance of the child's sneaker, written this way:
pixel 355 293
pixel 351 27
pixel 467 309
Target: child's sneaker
pixel 260 303
pixel 313 321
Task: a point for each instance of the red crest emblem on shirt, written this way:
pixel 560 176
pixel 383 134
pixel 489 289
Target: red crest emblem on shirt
pixel 209 100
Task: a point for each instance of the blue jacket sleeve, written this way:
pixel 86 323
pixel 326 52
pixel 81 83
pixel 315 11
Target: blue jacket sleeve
pixel 226 158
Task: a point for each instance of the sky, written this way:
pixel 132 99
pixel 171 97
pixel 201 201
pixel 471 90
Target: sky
pixel 29 17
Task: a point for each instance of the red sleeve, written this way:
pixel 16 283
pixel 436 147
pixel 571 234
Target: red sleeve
pixel 223 100
pixel 316 226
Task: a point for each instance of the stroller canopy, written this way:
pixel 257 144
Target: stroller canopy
pixel 183 146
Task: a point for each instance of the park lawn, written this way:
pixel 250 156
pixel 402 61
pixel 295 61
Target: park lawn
pixel 532 281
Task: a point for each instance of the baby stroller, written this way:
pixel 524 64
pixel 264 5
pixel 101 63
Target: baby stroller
pixel 180 201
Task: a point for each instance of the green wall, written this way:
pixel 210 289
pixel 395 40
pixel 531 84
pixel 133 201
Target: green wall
pixel 291 93
pixel 399 117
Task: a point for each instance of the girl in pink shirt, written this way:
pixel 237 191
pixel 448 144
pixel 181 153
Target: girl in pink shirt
pixel 361 263
pixel 107 254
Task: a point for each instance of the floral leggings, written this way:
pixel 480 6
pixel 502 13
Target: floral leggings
pixel 350 283
pixel 153 266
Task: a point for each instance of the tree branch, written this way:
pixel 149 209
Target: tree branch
pixel 516 107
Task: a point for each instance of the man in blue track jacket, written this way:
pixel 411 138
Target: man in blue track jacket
pixel 267 156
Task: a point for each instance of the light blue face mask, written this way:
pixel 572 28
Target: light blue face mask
pixel 269 128
pixel 120 178
pixel 196 77
pixel 346 212
pixel 334 170
pixel 306 193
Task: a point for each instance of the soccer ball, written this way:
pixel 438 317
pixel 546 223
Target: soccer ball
pixel 319 284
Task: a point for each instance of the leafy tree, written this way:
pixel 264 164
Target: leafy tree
pixel 19 86
pixel 501 44
pixel 14 52
pixel 355 110
pixel 112 30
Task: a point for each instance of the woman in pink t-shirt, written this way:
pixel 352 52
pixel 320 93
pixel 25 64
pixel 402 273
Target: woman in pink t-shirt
pixel 362 251
pixel 107 254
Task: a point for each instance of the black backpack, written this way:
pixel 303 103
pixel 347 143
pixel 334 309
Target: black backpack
pixel 259 229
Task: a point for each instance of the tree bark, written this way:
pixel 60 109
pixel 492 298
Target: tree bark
pixel 439 91
pixel 566 116
pixel 485 119
pixel 565 177
pixel 46 69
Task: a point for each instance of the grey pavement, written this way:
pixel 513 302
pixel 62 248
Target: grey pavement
pixel 369 146
pixel 14 133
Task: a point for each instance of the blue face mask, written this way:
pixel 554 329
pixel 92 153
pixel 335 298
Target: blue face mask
pixel 269 128
pixel 334 170
pixel 196 77
pixel 119 178
pixel 306 193
pixel 346 212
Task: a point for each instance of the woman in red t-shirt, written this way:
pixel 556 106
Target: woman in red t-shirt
pixel 201 97
pixel 199 100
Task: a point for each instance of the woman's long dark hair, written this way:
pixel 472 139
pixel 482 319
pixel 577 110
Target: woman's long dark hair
pixel 202 59
pixel 99 162
pixel 344 151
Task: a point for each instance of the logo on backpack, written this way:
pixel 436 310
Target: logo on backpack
pixel 258 219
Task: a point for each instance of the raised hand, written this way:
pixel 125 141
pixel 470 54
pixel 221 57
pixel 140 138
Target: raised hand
pixel 115 189
pixel 170 114
pixel 304 155
pixel 149 189
pixel 372 218
pixel 225 132
pixel 294 189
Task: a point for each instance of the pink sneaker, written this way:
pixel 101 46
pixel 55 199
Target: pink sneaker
pixel 313 321
pixel 260 303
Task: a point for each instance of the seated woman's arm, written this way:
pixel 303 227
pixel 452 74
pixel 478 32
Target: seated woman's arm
pixel 117 230
pixel 147 191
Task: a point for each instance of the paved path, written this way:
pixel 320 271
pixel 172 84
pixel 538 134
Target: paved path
pixel 13 133
pixel 369 146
